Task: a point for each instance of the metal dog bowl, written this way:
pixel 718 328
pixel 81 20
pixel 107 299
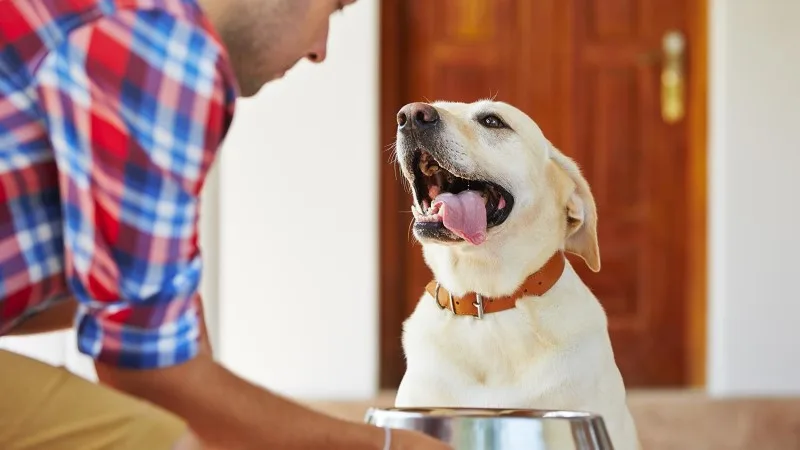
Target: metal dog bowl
pixel 500 429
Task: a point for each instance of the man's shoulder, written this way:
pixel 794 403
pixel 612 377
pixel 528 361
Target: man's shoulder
pixel 186 10
pixel 30 29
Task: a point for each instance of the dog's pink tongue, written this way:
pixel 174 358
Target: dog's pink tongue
pixel 464 214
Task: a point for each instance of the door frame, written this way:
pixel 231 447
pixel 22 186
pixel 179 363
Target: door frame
pixel 392 197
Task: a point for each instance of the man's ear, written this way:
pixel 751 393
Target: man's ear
pixel 581 233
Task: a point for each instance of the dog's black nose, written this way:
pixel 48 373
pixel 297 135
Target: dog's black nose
pixel 417 116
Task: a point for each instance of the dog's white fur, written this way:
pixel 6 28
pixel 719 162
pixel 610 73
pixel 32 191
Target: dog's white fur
pixel 550 352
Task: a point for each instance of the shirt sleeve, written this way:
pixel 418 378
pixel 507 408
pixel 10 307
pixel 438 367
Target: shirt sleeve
pixel 136 105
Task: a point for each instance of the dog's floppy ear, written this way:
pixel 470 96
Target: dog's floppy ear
pixel 581 214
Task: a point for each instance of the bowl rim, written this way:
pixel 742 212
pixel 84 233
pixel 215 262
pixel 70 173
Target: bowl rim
pixel 479 413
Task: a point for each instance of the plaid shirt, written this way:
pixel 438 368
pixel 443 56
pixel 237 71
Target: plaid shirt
pixel 111 112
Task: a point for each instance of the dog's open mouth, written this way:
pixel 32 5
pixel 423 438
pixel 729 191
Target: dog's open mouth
pixel 463 207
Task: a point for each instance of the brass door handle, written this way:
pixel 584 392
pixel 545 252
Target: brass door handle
pixel 672 77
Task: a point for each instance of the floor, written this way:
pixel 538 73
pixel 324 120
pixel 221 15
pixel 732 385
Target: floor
pixel 678 420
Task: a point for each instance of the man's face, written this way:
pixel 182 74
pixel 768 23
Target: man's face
pixel 266 38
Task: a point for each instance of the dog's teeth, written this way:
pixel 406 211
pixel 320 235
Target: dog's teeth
pixel 424 165
pixel 430 170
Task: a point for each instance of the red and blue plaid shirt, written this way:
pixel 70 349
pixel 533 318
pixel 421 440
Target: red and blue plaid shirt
pixel 111 112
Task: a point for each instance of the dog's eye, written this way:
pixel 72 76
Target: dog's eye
pixel 492 121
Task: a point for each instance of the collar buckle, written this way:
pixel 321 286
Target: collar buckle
pixel 478 304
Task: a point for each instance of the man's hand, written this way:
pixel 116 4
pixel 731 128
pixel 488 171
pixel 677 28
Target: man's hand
pixel 406 440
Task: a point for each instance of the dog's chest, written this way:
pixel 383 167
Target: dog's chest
pixel 495 351
pixel 501 368
pixel 491 368
pixel 489 354
pixel 512 358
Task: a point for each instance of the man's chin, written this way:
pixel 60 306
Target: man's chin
pixel 247 90
pixel 252 87
pixel 277 76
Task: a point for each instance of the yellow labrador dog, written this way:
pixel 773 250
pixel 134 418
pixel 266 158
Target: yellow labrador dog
pixel 507 322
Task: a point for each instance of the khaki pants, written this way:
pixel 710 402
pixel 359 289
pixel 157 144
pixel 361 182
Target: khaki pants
pixel 46 407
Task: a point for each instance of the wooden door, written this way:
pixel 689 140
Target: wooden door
pixel 588 72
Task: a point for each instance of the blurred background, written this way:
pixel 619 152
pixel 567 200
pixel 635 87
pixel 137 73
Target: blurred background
pixel 684 115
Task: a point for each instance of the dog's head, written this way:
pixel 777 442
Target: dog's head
pixel 485 179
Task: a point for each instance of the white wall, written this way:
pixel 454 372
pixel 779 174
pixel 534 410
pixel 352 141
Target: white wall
pixel 48 347
pixel 754 217
pixel 209 245
pixel 298 251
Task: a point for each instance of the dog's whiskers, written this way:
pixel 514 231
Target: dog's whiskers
pixel 410 232
pixel 394 160
pixel 391 148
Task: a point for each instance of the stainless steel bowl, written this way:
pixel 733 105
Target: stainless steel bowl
pixel 500 429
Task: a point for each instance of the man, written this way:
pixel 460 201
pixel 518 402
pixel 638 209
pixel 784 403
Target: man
pixel 111 113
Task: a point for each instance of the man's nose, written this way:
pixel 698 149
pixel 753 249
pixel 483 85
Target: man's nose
pixel 417 116
pixel 319 51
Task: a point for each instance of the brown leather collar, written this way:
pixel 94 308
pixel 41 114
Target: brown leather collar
pixel 477 305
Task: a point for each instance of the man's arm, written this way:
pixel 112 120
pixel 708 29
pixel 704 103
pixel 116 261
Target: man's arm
pixel 230 413
pixel 137 105
pixel 207 396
